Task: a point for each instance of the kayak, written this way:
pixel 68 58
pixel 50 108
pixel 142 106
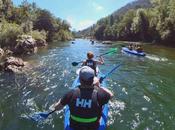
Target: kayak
pixel 103 120
pixel 134 52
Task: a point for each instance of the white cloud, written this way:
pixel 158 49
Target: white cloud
pixel 79 25
pixel 71 20
pixel 97 6
pixel 84 24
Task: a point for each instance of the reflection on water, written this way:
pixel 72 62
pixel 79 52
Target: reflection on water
pixel 143 87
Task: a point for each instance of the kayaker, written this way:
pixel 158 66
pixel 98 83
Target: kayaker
pixel 139 49
pixel 92 62
pixel 130 47
pixel 85 102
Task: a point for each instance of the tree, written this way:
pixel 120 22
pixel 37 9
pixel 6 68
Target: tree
pixel 6 7
pixel 45 22
pixel 99 32
pixel 124 26
pixel 111 20
pixel 1 10
pixel 108 33
pixel 65 25
pixel 140 25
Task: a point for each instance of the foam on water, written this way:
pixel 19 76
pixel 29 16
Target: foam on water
pixel 147 98
pixel 135 123
pixel 115 107
pixel 46 89
pixel 156 58
pixel 54 86
pixel 26 93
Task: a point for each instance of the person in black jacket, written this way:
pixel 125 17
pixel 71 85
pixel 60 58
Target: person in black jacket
pixel 85 101
pixel 91 62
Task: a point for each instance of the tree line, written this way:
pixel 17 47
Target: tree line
pixel 29 19
pixel 154 24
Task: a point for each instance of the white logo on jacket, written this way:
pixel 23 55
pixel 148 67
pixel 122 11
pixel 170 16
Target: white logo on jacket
pixel 85 103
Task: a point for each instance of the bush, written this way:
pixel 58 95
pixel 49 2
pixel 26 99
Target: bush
pixel 62 35
pixel 9 33
pixel 38 35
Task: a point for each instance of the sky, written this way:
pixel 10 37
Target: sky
pixel 79 13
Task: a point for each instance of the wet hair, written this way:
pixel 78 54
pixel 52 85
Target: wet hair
pixel 90 55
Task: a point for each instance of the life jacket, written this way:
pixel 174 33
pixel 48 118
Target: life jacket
pixel 84 108
pixel 91 63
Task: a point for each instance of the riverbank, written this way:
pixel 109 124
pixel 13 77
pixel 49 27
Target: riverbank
pixel 25 28
pixel 171 45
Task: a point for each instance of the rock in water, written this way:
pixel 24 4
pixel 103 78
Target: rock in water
pixel 25 45
pixel 1 52
pixel 13 64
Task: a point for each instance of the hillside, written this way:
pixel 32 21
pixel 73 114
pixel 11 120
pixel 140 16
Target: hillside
pixel 140 20
pixel 133 5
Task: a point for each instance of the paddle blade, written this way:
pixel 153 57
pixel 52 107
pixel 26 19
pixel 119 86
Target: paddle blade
pixel 112 50
pixel 74 63
pixel 101 79
pixel 39 116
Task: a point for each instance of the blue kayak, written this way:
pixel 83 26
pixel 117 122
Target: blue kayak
pixel 103 120
pixel 134 52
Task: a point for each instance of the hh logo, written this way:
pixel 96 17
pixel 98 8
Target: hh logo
pixel 86 103
pixel 90 64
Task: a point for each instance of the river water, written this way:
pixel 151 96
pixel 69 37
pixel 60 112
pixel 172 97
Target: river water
pixel 144 87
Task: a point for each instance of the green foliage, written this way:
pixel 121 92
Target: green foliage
pixel 45 21
pixel 166 23
pixel 6 7
pixel 62 35
pixel 38 35
pixel 9 33
pixel 138 22
pixel 140 25
pixel 65 25
pixel 31 20
pixel 123 28
pixel 99 32
pixel 108 33
pixel 54 26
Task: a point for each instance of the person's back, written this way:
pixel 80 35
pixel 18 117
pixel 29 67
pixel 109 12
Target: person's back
pixel 91 62
pixel 85 102
pixel 84 108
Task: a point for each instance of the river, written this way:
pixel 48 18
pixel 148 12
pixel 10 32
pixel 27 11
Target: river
pixel 144 87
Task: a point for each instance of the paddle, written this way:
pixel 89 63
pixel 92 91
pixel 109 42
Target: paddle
pixel 110 72
pixel 113 50
pixel 38 116
pixel 76 63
